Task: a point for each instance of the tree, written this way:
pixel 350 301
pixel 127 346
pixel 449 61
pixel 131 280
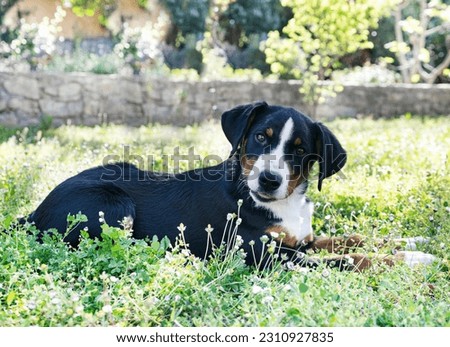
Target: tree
pixel 413 36
pixel 320 32
pixel 90 8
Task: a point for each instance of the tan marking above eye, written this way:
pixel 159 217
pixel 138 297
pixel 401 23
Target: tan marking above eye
pixel 269 132
pixel 298 141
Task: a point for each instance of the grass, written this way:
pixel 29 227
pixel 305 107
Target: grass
pixel 396 184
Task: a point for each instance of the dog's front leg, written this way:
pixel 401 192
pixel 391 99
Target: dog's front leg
pixel 336 244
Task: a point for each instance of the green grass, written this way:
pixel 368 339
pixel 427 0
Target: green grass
pixel 396 184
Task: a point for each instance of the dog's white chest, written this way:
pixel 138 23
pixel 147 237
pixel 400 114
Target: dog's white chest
pixel 295 214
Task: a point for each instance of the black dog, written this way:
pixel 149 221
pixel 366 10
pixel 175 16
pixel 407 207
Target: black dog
pixel 273 151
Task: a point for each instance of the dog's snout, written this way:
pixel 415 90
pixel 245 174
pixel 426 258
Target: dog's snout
pixel 269 181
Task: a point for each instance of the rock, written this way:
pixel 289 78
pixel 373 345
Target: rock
pixel 23 86
pixel 131 91
pixel 23 105
pixel 8 119
pixel 61 109
pixel 69 92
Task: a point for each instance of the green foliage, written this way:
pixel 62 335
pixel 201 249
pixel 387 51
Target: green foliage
pixel 36 42
pixel 138 47
pixel 319 33
pixel 81 61
pixel 396 184
pixel 254 16
pixel 189 16
pixel 102 8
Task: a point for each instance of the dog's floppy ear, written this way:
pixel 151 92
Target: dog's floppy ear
pixel 236 122
pixel 332 157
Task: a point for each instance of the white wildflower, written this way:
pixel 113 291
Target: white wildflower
pixel 267 300
pixel 264 239
pixel 256 289
pixel 181 227
pixel 274 235
pixel 107 309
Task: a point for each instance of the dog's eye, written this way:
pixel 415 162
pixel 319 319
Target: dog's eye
pixel 260 138
pixel 299 151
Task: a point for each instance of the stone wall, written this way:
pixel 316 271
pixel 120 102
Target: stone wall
pixel 95 99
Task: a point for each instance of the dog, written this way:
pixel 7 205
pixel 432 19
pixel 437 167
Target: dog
pixel 273 151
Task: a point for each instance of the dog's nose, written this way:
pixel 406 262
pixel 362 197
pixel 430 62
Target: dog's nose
pixel 269 181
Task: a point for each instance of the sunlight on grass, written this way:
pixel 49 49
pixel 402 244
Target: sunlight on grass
pixel 396 183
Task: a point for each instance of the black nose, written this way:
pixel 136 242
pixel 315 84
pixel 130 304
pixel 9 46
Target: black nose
pixel 269 181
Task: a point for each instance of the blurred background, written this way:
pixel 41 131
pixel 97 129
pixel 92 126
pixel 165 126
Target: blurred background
pixel 369 41
pixel 322 48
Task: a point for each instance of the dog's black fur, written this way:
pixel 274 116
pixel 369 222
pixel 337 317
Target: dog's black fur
pixel 158 203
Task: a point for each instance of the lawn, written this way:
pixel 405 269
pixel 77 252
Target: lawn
pixel 396 183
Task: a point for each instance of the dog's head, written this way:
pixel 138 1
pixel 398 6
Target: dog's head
pixel 277 147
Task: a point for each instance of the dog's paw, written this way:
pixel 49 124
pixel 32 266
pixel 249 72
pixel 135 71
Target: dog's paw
pixel 414 258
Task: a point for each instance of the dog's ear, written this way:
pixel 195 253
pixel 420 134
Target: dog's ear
pixel 237 121
pixel 332 157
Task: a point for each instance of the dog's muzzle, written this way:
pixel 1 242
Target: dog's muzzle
pixel 268 186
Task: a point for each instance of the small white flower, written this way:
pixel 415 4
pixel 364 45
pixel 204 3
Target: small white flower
pixel 300 255
pixel 351 261
pixel 107 308
pixel 75 297
pixel 267 300
pixel 79 309
pixel 238 221
pixel 239 241
pixel 287 288
pixel 284 257
pixel 264 239
pixel 325 273
pixel 231 216
pixel 56 301
pixel 327 217
pixel 113 279
pixel 252 243
pixel 181 227
pixel 290 265
pixel 31 305
pixel 240 202
pixel 274 235
pixel 209 229
pixel 242 254
pixel 256 289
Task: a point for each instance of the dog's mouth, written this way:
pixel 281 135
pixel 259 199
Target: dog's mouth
pixel 263 197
